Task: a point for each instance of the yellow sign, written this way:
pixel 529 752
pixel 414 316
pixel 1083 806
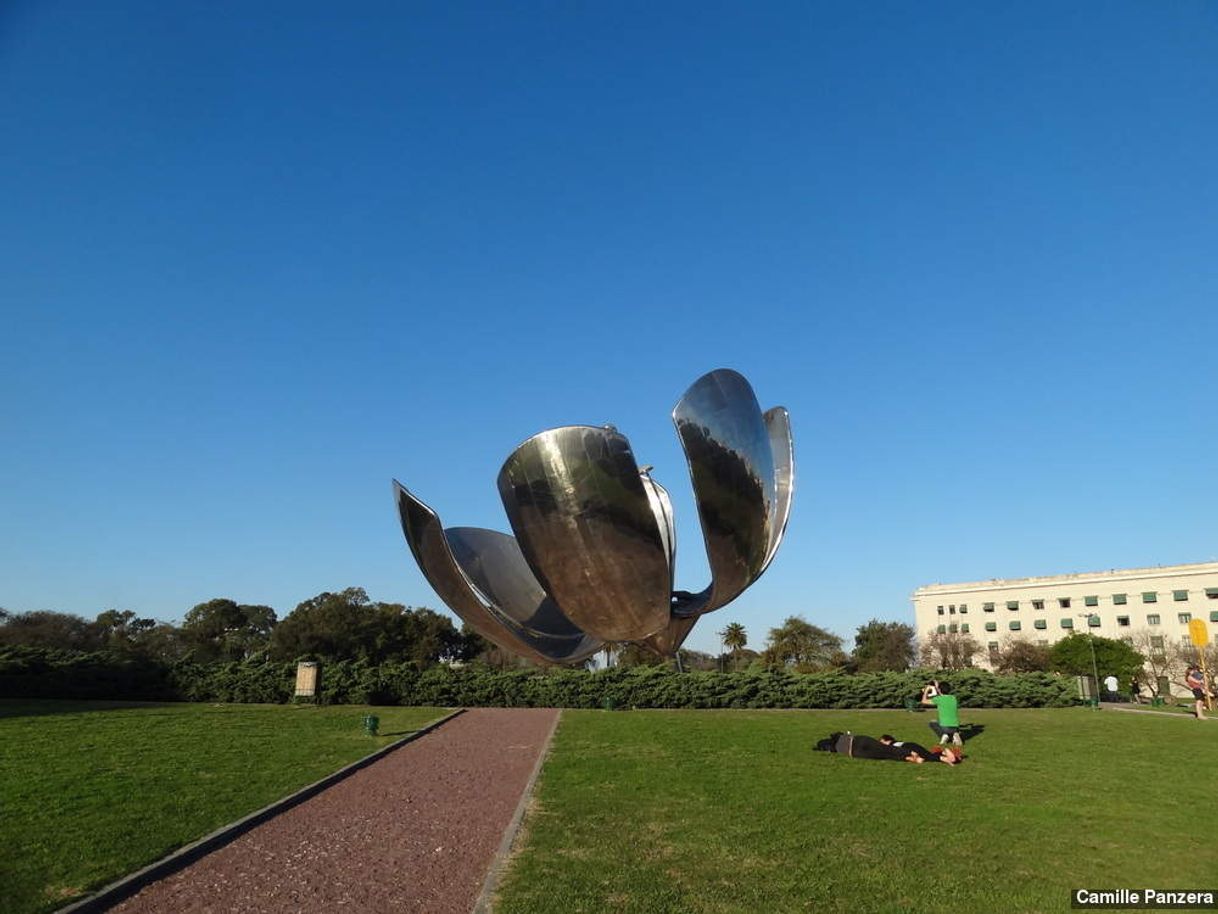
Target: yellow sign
pixel 1199 632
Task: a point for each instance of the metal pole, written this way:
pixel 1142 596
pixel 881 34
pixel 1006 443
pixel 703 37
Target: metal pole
pixel 1094 667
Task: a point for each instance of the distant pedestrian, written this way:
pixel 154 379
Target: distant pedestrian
pixel 1194 681
pixel 1135 691
pixel 939 696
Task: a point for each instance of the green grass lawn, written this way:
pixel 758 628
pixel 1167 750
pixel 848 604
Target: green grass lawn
pixel 717 811
pixel 90 791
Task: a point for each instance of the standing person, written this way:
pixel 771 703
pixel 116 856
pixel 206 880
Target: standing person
pixel 1194 680
pixel 939 696
pixel 1135 691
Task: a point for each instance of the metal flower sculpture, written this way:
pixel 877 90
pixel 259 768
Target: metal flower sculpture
pixel 594 549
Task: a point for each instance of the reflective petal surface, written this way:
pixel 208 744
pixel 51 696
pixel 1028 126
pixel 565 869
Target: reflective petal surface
pixel 586 526
pixel 666 642
pixel 661 507
pixel 731 464
pixel 482 577
pixel 778 421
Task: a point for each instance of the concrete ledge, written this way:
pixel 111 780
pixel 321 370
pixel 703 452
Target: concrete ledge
pixel 124 888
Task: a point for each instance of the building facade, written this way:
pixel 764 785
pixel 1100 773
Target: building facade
pixel 1149 607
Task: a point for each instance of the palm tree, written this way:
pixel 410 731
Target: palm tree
pixel 735 638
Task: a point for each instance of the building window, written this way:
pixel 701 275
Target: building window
pixel 1091 601
pixel 1179 596
pixel 942 629
pixel 1093 621
pixel 1211 593
pixel 1014 625
pixel 1119 599
pixel 1040 623
pixel 1128 639
pixel 1038 604
pixel 964 628
pixel 1067 622
pixel 991 626
pixel 989 607
pixel 993 646
pixel 1156 641
pixel 1184 618
pixel 951 610
pixel 1123 621
pixel 963 608
pixel 953 628
pixel 1150 597
pixel 1012 604
pixel 1152 619
pixel 1042 643
pixel 1063 602
pixel 1214 615
pixel 940 610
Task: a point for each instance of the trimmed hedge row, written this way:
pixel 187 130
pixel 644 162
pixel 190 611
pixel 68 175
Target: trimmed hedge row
pixel 42 673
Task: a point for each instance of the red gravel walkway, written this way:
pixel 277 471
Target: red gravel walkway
pixel 415 831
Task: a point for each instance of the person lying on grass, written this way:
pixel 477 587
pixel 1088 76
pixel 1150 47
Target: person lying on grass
pixel 858 746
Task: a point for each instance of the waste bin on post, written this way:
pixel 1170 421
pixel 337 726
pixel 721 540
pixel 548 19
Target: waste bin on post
pixel 372 724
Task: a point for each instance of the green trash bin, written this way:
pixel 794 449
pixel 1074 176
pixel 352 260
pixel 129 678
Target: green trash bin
pixel 372 724
pixel 1157 702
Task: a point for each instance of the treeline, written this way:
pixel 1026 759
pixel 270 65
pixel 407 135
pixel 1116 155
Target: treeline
pixel 330 626
pixel 44 673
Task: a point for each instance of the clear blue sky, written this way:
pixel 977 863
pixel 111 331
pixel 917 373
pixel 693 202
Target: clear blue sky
pixel 257 259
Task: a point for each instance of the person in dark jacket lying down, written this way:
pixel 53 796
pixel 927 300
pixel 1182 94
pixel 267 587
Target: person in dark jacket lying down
pixel 858 746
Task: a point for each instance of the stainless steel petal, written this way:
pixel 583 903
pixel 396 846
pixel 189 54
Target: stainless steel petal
pixel 667 641
pixel 661 507
pixel 493 562
pixel 778 421
pixel 731 463
pixel 533 632
pixel 586 527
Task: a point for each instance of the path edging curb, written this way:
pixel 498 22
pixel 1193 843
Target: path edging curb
pixel 499 862
pixel 121 889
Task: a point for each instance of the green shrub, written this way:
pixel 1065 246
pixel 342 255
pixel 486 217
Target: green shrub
pixel 42 673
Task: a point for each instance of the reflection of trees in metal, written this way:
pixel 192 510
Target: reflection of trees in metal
pixel 594 550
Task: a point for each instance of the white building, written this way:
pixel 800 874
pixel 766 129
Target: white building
pixel 1113 604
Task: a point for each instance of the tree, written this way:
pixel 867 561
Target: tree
pixel 1161 661
pixel 735 639
pixel 1019 655
pixel 122 630
pixel 349 626
pixel 225 630
pixel 633 654
pixel 329 626
pixel 1072 654
pixel 800 644
pixel 949 650
pixel 883 646
pixel 45 628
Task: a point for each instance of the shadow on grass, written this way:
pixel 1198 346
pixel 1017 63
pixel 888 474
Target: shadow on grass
pixel 41 707
pixel 971 731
